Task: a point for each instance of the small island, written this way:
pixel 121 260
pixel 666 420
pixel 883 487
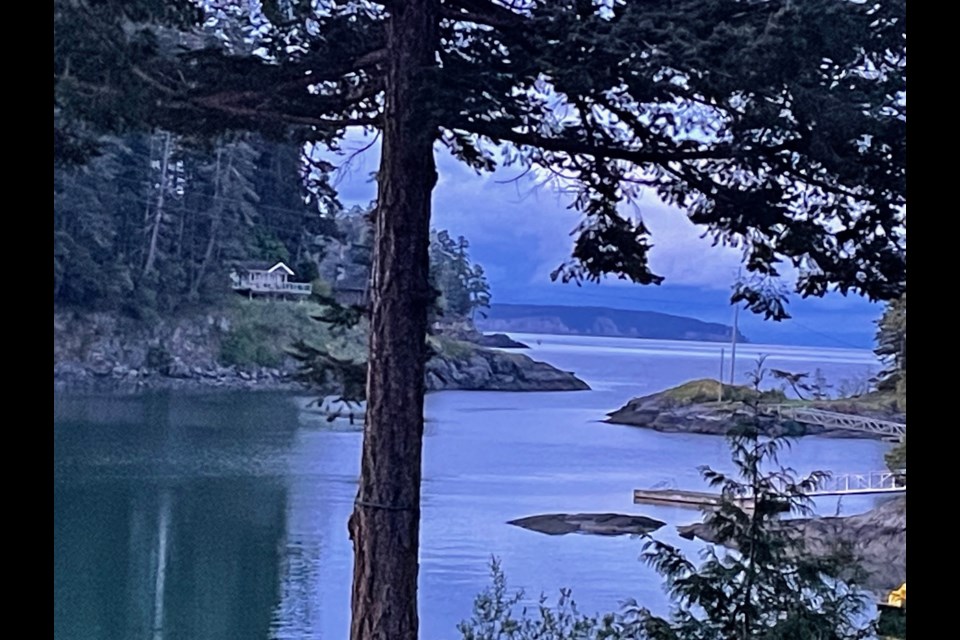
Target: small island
pixel 705 406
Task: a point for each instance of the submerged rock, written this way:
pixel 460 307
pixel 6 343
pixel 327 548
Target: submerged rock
pixel 602 524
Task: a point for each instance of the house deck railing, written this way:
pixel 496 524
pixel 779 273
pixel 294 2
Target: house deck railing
pixel 298 288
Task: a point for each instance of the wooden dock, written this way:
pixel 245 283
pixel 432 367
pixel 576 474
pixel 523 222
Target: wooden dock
pixel 683 498
pixel 690 499
pixel 676 498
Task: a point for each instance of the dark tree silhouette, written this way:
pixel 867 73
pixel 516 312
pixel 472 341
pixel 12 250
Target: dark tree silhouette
pixel 778 125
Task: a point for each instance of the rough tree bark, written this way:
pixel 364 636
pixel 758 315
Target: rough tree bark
pixel 385 524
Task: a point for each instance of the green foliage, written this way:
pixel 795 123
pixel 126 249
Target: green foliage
pixel 768 587
pixel 901 391
pixel 896 458
pixel 320 289
pixel 816 389
pixel 155 222
pixel 776 125
pixel 263 333
pixel 697 391
pixel 462 285
pixel 892 625
pixel 759 582
pixel 451 348
pixel 494 617
pixel 892 348
pixel 320 368
pixel 248 345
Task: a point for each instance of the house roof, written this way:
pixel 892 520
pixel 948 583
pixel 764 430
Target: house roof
pixel 254 265
pixel 280 265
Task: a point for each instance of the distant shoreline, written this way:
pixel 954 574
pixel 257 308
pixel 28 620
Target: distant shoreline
pixel 750 349
pixel 602 322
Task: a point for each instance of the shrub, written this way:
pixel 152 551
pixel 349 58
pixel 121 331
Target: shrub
pixel 760 583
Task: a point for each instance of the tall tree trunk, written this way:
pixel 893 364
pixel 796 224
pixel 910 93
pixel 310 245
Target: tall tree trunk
pixel 215 223
pixel 158 218
pixel 385 525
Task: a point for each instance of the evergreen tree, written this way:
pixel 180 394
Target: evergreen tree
pixel 156 221
pixel 478 289
pixel 461 285
pixel 764 586
pixel 770 587
pixel 892 345
pixel 778 125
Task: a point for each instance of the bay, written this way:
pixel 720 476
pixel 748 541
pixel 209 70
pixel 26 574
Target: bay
pixel 224 515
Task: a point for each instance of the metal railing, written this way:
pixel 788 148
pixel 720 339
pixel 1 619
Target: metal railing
pixel 301 288
pixel 872 482
pixel 835 420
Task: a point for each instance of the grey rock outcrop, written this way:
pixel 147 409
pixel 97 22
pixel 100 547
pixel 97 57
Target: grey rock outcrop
pixel 661 412
pixel 601 524
pixel 488 370
pixel 877 539
pixel 497 341
pixel 101 352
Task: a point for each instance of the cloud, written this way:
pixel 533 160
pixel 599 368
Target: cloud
pixel 517 221
pixel 519 231
pixel 534 221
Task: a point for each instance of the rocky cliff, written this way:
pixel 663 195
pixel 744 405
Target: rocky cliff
pixel 480 369
pixel 105 352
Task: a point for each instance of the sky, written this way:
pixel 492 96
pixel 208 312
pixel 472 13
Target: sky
pixel 519 231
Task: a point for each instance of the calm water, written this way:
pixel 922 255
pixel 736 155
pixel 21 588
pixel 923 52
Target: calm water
pixel 224 516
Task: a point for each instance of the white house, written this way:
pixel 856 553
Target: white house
pixel 262 279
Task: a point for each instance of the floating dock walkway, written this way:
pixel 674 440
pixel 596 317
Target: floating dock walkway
pixel 834 485
pixel 885 428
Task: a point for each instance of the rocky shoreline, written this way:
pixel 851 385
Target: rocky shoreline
pixel 105 354
pixel 79 377
pixel 678 411
pixel 488 370
pixel 877 539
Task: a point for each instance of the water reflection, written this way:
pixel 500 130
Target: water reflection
pixel 147 560
pixel 224 516
pixel 169 516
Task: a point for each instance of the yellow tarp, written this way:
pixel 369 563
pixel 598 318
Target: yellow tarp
pixel 898 597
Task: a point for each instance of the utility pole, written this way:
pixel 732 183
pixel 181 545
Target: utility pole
pixel 720 379
pixel 733 347
pixel 736 324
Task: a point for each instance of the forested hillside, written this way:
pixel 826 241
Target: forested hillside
pixel 154 224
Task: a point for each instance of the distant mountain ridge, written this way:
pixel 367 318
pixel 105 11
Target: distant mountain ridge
pixel 602 321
